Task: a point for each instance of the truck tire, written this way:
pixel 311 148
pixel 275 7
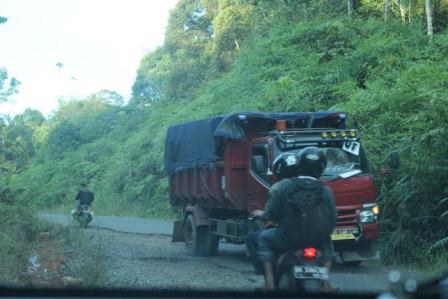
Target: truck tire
pixel 212 244
pixel 198 240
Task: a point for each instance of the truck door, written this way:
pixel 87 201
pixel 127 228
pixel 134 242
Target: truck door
pixel 260 177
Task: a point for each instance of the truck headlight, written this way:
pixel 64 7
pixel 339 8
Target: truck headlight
pixel 367 216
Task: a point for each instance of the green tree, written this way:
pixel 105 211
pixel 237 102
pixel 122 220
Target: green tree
pixel 8 86
pixel 64 136
pixel 174 71
pixel 231 26
pixel 150 82
pixel 189 27
pixel 31 118
pixel 17 141
pixel 110 97
pixel 78 107
pixel 189 31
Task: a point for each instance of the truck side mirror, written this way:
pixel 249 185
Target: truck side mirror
pixel 393 161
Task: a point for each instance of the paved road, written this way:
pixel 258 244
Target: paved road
pixel 140 254
pixel 119 224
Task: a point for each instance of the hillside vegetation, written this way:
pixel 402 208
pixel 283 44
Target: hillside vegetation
pixel 234 55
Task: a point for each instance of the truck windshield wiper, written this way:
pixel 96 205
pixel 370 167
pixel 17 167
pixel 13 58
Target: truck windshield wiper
pixel 347 174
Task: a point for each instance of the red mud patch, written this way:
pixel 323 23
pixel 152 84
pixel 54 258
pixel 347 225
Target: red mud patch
pixel 47 264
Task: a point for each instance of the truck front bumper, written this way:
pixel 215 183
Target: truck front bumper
pixel 360 247
pixel 350 251
pixel 370 231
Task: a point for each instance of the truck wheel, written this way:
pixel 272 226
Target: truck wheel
pixel 198 240
pixel 212 243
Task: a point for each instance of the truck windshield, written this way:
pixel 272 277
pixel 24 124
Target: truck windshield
pixel 340 160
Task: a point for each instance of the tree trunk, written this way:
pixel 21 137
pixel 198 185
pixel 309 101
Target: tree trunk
pixel 350 7
pixel 436 16
pixel 410 11
pixel 402 11
pixel 237 45
pixel 428 11
pixel 386 10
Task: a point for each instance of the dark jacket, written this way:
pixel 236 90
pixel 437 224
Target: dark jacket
pixel 85 197
pixel 276 205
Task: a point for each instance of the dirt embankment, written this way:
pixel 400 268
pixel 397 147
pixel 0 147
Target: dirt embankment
pixel 63 257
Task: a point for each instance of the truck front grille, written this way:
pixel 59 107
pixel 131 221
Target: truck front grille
pixel 347 216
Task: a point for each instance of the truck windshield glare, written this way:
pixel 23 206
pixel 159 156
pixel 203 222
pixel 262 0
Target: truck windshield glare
pixel 339 160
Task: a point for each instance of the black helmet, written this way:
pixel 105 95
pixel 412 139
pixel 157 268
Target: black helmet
pixel 286 165
pixel 311 162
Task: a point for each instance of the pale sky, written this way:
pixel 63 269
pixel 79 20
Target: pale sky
pixel 100 43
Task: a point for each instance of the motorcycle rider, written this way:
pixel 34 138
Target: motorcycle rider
pixel 307 166
pixel 84 197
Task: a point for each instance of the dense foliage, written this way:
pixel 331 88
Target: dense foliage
pixel 18 225
pixel 235 55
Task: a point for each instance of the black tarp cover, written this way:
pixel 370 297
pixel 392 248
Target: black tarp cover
pixel 194 143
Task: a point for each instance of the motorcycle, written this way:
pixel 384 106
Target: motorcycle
pixel 300 271
pixel 294 271
pixel 83 215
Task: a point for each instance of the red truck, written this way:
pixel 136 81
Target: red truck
pixel 220 171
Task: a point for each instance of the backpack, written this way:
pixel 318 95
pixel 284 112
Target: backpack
pixel 307 219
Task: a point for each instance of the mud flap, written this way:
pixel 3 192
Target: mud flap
pixel 352 252
pixel 363 252
pixel 178 231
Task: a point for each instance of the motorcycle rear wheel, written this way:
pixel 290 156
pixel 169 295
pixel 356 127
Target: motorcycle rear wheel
pixel 311 285
pixel 286 281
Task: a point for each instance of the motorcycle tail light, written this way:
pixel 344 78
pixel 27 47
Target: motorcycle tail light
pixel 310 252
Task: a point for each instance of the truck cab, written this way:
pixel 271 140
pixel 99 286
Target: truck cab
pixel 348 174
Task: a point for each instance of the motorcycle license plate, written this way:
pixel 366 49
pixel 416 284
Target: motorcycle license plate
pixel 310 272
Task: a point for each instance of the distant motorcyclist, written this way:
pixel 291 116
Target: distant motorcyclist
pixel 84 197
pixel 297 226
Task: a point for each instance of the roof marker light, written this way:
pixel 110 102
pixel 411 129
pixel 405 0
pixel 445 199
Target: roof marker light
pixel 281 125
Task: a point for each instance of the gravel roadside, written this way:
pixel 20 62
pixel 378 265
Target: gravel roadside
pixel 138 253
pixel 154 262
